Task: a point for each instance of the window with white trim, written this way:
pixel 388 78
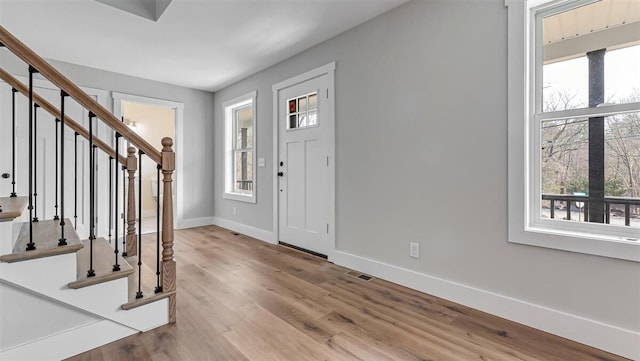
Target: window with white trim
pixel 240 155
pixel 580 170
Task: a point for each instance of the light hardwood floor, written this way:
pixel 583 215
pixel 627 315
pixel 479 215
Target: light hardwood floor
pixel 242 299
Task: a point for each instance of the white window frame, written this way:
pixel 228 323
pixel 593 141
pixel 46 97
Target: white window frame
pixel 230 107
pixel 524 73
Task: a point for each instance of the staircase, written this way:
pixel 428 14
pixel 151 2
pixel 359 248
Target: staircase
pixel 65 288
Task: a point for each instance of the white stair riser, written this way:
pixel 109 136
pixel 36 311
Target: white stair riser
pixel 47 272
pixel 6 237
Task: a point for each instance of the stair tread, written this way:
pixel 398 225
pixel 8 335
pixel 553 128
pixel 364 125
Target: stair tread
pixel 153 297
pixel 103 260
pixel 46 234
pixel 12 207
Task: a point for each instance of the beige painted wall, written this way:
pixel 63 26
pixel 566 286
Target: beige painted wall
pixel 152 123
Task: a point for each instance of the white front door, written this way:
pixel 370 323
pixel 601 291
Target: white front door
pixel 302 165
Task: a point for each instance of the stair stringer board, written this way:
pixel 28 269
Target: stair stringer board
pixel 69 343
pixel 28 316
pixel 50 276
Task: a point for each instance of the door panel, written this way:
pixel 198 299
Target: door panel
pixel 315 194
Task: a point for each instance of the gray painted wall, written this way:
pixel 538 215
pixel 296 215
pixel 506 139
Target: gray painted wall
pixel 198 123
pixel 421 155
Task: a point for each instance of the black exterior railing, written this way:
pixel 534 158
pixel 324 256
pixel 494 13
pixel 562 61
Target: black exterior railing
pixel 245 185
pixel 567 201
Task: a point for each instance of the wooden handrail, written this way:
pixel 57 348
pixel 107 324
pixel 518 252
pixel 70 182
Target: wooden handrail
pixel 51 109
pixel 54 76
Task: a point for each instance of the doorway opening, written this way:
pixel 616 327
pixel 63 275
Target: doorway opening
pixel 151 122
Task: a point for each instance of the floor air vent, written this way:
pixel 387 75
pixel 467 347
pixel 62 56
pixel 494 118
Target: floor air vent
pixel 360 275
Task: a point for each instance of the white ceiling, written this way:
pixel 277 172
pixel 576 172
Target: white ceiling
pixel 202 44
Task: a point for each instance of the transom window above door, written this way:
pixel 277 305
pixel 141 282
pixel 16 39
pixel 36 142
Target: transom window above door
pixel 303 111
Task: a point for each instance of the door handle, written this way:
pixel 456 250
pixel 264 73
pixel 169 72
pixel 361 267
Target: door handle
pixel 280 174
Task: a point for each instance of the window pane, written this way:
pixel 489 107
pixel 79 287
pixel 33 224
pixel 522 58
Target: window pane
pixel 565 168
pixel 302 120
pixel 313 101
pixel 313 117
pixel 243 171
pixel 292 106
pixel 293 122
pixel 622 75
pixel 565 156
pixel 302 104
pixel 244 128
pixel 565 85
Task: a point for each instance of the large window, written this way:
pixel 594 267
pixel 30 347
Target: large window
pixel 581 127
pixel 240 155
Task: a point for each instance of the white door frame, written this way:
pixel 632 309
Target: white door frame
pixel 329 70
pixel 118 106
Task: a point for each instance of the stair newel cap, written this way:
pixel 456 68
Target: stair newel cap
pixel 167 143
pixel 168 156
pixel 132 165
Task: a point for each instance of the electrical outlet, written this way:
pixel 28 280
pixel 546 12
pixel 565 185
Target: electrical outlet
pixel 235 211
pixel 414 250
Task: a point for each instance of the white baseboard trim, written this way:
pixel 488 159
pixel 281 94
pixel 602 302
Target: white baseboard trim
pixel 261 234
pixel 69 343
pixel 194 222
pixel 593 333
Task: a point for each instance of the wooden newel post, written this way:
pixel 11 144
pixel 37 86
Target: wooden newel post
pixel 132 238
pixel 168 263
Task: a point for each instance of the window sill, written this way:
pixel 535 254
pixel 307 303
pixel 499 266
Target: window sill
pixel 586 243
pixel 249 198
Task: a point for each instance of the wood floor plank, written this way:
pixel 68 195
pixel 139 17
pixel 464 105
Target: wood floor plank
pixel 420 322
pixel 243 299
